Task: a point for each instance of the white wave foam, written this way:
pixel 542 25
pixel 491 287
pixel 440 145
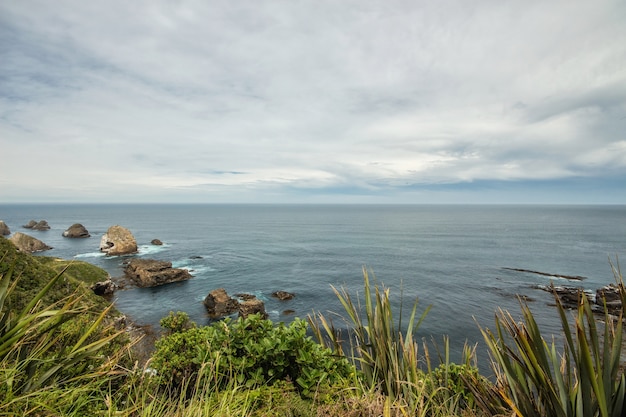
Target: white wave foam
pixel 151 249
pixel 90 255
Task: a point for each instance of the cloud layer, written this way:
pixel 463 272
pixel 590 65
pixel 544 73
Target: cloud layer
pixel 325 101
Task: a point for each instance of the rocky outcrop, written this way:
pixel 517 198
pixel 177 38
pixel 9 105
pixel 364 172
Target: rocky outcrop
pixel 570 297
pixel 104 288
pixel 283 295
pixel 156 242
pixel 28 244
pixel 76 230
pixel 40 225
pixel 219 304
pixel 118 240
pixel 252 306
pixel 4 229
pixel 150 273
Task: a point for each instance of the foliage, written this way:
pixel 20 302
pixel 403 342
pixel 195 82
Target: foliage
pixel 251 351
pixel 41 351
pixel 177 322
pixel 536 379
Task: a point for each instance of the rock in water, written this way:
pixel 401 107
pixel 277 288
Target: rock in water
pixel 252 306
pixel 4 229
pixel 150 273
pixel 118 240
pixel 76 230
pixel 156 242
pixel 28 244
pixel 283 295
pixel 40 225
pixel 219 304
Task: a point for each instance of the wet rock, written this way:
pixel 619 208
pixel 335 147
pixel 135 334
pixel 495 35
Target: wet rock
pixel 40 225
pixel 156 242
pixel 151 273
pixel 252 306
pixel 4 229
pixel 104 288
pixel 76 230
pixel 219 304
pixel 28 244
pixel 283 295
pixel 118 240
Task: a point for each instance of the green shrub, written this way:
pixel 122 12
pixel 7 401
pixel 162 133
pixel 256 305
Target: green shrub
pixel 251 351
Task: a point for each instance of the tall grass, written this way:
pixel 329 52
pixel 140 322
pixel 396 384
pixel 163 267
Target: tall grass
pixel 389 358
pixel 584 378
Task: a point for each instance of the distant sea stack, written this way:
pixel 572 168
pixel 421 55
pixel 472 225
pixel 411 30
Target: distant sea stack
pixel 76 230
pixel 40 225
pixel 118 240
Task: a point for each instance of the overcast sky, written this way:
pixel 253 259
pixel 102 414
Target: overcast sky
pixel 341 101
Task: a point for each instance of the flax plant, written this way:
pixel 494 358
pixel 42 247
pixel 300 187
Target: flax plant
pixel 33 352
pixel 387 358
pixel 581 379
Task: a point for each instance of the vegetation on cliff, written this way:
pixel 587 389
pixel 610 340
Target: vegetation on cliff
pixel 62 355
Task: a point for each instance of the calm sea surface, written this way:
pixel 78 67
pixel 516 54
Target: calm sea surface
pixel 449 257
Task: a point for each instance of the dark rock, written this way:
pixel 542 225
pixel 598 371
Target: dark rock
pixel 30 224
pixel 4 229
pixel 252 306
pixel 219 304
pixel 611 295
pixel 28 244
pixel 118 241
pixel 283 295
pixel 288 312
pixel 104 288
pixel 156 242
pixel 76 230
pixel 40 225
pixel 195 257
pixel 150 273
pixel 245 297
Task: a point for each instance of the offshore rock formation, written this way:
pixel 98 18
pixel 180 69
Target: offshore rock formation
pixel 283 295
pixel 76 230
pixel 4 229
pixel 28 244
pixel 118 240
pixel 219 304
pixel 156 242
pixel 150 273
pixel 40 225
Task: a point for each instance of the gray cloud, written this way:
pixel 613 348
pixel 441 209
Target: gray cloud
pixel 230 101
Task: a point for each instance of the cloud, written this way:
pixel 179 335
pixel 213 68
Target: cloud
pixel 235 100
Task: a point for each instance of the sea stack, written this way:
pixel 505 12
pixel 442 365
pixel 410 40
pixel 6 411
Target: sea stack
pixel 118 240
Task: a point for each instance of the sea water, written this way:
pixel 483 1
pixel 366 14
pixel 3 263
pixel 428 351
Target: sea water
pixel 449 257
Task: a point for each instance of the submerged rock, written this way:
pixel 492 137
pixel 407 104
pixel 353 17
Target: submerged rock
pixel 28 244
pixel 118 240
pixel 283 295
pixel 151 273
pixel 4 229
pixel 76 230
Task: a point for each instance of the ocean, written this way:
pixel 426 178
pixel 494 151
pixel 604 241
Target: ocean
pixel 450 257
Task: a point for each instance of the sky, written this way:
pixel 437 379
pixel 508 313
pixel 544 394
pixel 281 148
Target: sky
pixel 325 101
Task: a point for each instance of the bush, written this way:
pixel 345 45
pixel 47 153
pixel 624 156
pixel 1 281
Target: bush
pixel 251 351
